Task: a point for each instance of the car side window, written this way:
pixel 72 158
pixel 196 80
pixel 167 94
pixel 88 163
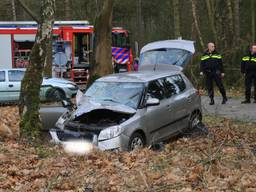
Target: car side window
pixel 156 89
pixel 2 76
pixel 179 81
pixel 15 75
pixel 170 87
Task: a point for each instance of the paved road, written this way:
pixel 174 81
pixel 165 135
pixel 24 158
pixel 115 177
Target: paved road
pixel 233 109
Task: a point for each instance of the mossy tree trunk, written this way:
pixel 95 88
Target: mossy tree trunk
pixel 30 87
pixel 102 59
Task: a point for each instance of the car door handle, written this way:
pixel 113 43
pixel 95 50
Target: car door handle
pixel 10 85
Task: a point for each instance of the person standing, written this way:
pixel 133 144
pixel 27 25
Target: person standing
pixel 211 66
pixel 248 68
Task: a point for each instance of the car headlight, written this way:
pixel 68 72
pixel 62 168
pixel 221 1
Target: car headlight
pixel 110 133
pixel 61 121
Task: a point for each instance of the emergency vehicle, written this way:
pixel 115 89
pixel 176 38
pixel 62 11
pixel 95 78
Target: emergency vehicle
pixel 72 47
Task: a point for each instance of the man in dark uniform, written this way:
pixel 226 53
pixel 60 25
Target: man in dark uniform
pixel 248 68
pixel 211 66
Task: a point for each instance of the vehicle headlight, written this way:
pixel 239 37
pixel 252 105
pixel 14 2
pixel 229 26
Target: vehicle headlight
pixel 110 133
pixel 60 124
pixel 61 121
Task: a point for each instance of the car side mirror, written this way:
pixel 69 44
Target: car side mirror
pixel 152 102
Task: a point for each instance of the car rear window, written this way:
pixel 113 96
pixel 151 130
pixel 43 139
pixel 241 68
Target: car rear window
pixel 178 80
pixel 15 75
pixel 174 85
pixel 2 76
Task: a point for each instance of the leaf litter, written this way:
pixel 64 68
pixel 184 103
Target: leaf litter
pixel 223 160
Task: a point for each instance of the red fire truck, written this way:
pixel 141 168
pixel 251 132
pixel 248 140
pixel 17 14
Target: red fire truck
pixel 72 47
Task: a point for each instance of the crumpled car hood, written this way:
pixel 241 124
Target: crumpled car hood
pixel 88 105
pixel 56 80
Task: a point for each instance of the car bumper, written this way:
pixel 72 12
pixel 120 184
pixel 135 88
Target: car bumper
pixel 119 143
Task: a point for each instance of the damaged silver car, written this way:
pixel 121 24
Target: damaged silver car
pixel 132 110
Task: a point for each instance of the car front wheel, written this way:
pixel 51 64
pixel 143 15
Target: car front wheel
pixel 137 141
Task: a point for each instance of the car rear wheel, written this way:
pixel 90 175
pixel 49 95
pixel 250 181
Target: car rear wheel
pixel 195 120
pixel 137 141
pixel 56 94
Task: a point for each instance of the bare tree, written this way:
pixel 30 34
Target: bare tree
pixel 139 20
pixel 14 16
pixel 230 22
pixel 237 20
pixel 102 63
pixel 194 13
pixel 176 17
pixel 253 19
pixel 30 87
pixel 209 5
pixel 68 9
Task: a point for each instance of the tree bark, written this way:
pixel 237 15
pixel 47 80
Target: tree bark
pixel 194 13
pixel 102 64
pixel 176 17
pixel 14 15
pixel 211 19
pixel 237 21
pixel 230 22
pixel 140 23
pixel 68 9
pixel 30 87
pixel 253 19
pixel 49 59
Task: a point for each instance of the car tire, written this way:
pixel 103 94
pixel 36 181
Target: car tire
pixel 137 141
pixel 52 93
pixel 195 119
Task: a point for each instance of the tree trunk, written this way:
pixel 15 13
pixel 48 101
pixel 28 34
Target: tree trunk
pixel 194 13
pixel 14 16
pixel 102 64
pixel 68 10
pixel 211 19
pixel 49 56
pixel 237 21
pixel 30 88
pixel 176 17
pixel 230 23
pixel 140 24
pixel 253 19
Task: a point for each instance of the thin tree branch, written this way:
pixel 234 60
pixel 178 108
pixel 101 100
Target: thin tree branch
pixel 29 11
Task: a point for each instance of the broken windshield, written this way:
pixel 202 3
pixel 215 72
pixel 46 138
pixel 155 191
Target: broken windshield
pixel 168 56
pixel 125 93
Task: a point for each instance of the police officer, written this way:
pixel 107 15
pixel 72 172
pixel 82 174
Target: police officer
pixel 211 66
pixel 248 68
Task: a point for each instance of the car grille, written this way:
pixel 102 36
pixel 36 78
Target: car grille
pixel 67 136
pixel 76 127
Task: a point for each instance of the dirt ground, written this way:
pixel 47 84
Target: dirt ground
pixel 223 160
